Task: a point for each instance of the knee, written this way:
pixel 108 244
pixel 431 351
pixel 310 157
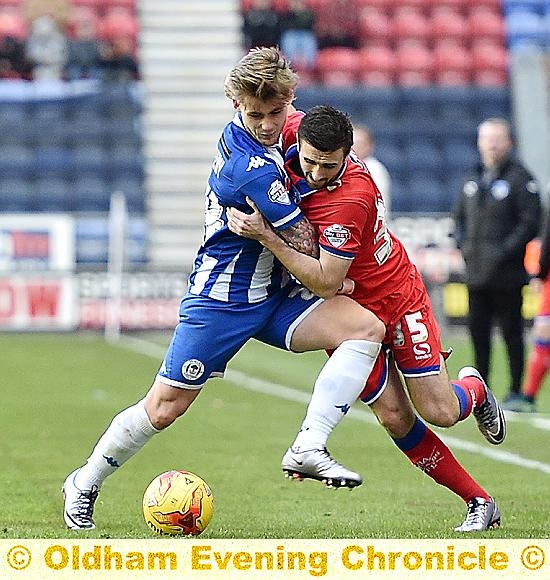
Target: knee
pixel 438 414
pixel 396 421
pixel 163 413
pixel 371 329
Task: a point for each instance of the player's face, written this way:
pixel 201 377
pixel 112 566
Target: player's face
pixel 319 168
pixel 264 119
pixel 494 143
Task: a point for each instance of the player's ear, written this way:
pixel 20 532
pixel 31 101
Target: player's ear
pixel 236 104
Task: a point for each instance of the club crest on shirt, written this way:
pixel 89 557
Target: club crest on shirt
pixel 192 369
pixel 278 193
pixel 337 235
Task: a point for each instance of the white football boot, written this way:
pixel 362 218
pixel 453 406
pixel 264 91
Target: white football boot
pixel 481 515
pixel 318 464
pixel 489 415
pixel 79 504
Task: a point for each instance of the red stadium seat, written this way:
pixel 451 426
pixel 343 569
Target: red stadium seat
pixel 490 78
pixel 377 66
pixel 119 22
pixel 375 26
pixel 487 54
pixel 121 3
pixel 414 63
pixel 338 66
pixel 81 15
pixel 382 5
pixel 279 5
pixel 447 22
pixel 458 5
pixel 410 22
pixel 495 4
pixel 12 22
pixel 452 63
pixel 486 22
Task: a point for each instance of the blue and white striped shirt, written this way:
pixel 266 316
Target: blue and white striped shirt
pixel 228 267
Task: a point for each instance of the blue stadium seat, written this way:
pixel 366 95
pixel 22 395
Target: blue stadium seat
pixel 133 189
pixel 13 114
pixel 427 193
pixel 345 98
pixel 53 159
pixel 16 194
pixel 390 154
pixel 90 158
pixel 492 102
pixel 534 6
pixel 53 194
pixel 401 201
pixel 422 155
pixel 16 158
pixel 525 28
pixel 380 105
pixel 92 193
pixel 460 156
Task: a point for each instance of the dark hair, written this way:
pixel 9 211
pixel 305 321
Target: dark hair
pixel 327 129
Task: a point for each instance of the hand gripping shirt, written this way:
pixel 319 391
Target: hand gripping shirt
pixel 229 267
pixel 349 216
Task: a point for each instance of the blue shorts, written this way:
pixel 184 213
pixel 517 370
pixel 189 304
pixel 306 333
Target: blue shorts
pixel 211 332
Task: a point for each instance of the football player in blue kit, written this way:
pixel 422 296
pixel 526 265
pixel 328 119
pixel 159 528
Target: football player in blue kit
pixel 238 291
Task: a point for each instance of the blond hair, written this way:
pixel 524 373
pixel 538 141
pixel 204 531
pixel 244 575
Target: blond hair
pixel 262 73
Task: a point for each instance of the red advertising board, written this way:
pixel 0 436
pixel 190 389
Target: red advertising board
pixel 44 302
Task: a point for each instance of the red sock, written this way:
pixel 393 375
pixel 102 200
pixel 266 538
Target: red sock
pixel 468 390
pixel 425 450
pixel 537 367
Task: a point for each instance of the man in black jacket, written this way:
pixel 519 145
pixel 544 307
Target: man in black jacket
pixel 496 215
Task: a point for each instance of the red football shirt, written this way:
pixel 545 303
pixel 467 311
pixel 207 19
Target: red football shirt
pixel 349 216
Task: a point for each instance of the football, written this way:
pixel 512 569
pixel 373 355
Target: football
pixel 178 503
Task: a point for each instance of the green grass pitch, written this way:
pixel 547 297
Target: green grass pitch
pixel 60 391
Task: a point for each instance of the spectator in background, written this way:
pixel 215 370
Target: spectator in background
pixel 298 41
pixel 12 58
pixel 539 359
pixel 496 215
pixel 261 25
pixel 84 56
pixel 46 49
pixel 364 145
pixel 118 63
pixel 338 24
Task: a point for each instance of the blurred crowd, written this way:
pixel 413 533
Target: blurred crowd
pixel 298 30
pixel 54 39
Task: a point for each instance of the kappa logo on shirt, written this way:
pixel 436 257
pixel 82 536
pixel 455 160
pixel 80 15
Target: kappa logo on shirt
pixel 255 163
pixel 278 193
pixel 337 235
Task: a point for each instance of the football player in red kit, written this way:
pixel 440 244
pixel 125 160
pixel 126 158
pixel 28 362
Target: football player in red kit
pixel 338 196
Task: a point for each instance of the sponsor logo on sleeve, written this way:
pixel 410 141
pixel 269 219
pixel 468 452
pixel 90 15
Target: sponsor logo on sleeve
pixel 337 235
pixel 278 193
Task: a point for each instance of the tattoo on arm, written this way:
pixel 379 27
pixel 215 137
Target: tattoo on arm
pixel 302 237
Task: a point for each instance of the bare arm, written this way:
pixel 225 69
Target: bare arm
pixel 325 276
pixel 301 236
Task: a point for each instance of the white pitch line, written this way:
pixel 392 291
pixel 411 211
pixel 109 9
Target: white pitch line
pixel 266 387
